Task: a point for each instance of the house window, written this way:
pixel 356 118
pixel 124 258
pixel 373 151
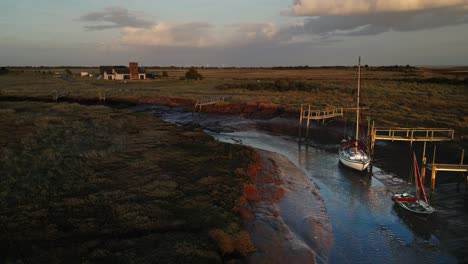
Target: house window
pixel 126 77
pixel 109 77
pixel 142 77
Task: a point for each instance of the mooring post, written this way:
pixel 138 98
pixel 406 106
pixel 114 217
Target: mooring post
pixel 433 177
pixel 434 170
pixel 369 139
pixel 372 145
pixel 300 124
pixel 195 107
pixel 308 123
pixel 462 157
pixel 423 163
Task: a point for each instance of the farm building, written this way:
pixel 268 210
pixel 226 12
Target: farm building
pixel 133 72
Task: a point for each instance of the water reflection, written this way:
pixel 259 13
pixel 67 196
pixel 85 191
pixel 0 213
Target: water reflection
pixel 366 226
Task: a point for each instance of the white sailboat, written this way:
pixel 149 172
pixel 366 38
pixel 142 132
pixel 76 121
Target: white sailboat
pixel 353 151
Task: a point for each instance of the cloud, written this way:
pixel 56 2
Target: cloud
pixel 330 28
pixel 256 30
pixel 373 24
pixel 198 34
pixel 141 32
pixel 116 17
pixel 175 35
pixel 353 7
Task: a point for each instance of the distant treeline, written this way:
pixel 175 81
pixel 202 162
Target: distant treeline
pixel 304 67
pixel 281 85
pixel 436 80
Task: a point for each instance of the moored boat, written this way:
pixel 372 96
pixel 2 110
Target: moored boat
pixel 353 155
pixel 353 151
pixel 413 203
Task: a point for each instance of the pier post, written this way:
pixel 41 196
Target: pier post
pixel 195 107
pixel 423 163
pixel 462 156
pixel 308 123
pixel 433 177
pixel 300 124
pixel 372 141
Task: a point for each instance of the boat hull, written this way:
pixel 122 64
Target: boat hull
pixel 359 165
pixel 416 206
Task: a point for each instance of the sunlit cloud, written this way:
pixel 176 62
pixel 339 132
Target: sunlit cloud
pixel 353 7
pixel 175 35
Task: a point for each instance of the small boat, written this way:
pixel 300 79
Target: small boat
pixel 353 151
pixel 413 203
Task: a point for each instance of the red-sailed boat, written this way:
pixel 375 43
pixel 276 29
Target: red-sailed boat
pixel 413 203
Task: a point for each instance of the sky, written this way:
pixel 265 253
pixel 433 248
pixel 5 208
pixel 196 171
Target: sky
pixel 228 33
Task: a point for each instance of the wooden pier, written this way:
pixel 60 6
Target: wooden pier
pixel 411 135
pixel 208 102
pixel 436 167
pixel 308 114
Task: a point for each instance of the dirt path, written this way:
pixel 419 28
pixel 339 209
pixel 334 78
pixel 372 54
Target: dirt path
pixel 295 228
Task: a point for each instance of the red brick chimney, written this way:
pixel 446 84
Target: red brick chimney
pixel 134 71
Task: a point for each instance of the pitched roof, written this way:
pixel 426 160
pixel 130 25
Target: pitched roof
pixel 122 70
pixel 103 69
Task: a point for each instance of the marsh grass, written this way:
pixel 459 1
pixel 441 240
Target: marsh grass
pixel 87 184
pixel 417 98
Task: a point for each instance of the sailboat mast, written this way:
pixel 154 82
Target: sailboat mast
pixel 358 90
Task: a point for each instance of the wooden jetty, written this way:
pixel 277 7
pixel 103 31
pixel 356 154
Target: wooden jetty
pixel 308 114
pixel 411 135
pixel 207 102
pixel 436 167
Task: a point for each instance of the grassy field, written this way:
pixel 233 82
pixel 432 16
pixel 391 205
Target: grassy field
pixel 419 97
pixel 86 184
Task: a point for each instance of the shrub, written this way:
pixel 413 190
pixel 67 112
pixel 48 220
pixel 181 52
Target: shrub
pixel 3 70
pixel 223 241
pixel 192 74
pixel 165 74
pixel 243 244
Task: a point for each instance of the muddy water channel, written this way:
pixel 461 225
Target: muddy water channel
pixel 367 228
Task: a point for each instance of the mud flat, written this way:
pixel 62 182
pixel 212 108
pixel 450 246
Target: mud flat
pixel 296 229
